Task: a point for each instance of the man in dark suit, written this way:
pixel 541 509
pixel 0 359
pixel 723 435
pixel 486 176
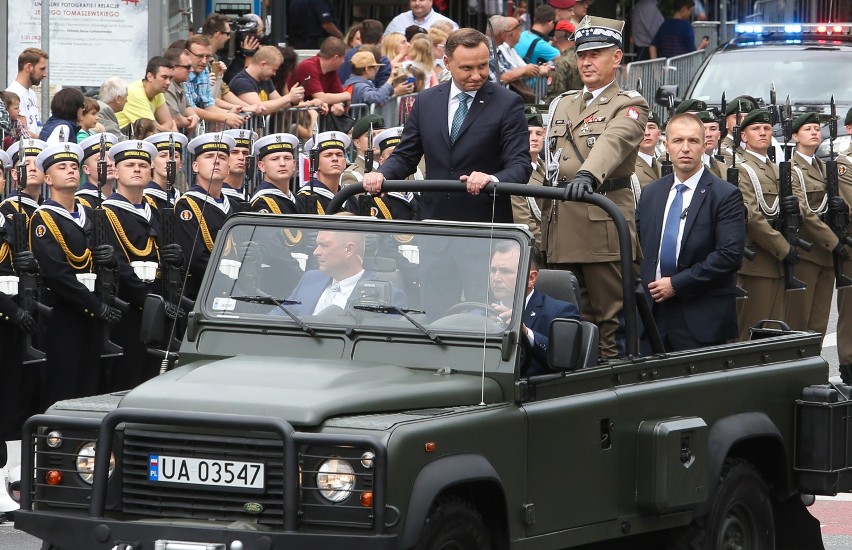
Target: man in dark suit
pixel 692 232
pixel 539 309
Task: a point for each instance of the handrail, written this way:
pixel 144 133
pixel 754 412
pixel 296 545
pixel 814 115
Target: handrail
pixel 628 283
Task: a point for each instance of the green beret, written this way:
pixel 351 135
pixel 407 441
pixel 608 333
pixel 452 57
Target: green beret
pixel 848 117
pixel 363 124
pixel 757 116
pixel 534 120
pixel 653 118
pixel 807 118
pixel 746 102
pixel 690 105
pixel 707 117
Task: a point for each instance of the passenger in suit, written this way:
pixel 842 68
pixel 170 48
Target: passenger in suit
pixel 539 308
pixel 692 233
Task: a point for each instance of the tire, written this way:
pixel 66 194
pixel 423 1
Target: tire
pixel 453 524
pixel 740 517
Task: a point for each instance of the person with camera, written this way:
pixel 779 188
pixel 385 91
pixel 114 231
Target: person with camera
pixel 360 82
pixel 254 84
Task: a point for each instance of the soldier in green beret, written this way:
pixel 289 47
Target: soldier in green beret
pixel 527 210
pixel 711 157
pixel 354 172
pixel 647 168
pixel 746 104
pixel 844 299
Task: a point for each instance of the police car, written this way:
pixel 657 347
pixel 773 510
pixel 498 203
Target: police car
pixel 808 62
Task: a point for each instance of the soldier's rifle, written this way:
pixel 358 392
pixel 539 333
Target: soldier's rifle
pixel 789 225
pixel 171 274
pixel 364 199
pixel 733 174
pixel 666 166
pixel 249 177
pixel 837 221
pixel 106 282
pixel 28 284
pixel 313 204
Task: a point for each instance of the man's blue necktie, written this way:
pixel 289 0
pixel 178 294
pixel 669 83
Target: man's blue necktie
pixel 668 249
pixel 458 117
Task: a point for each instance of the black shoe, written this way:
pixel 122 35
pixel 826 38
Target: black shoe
pixel 846 374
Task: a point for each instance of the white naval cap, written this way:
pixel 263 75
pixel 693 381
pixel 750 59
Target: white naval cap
pixel 59 152
pixel 92 144
pixel 32 147
pixel 132 149
pixel 243 138
pixel 161 141
pixel 275 143
pixel 329 140
pixel 5 159
pixel 211 142
pixel 389 138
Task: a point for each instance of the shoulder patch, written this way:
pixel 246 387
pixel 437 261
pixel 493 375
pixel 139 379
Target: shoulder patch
pixel 186 215
pixel 40 231
pixel 841 169
pixel 633 113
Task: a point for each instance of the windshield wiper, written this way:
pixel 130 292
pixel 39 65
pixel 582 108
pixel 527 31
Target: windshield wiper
pixel 280 304
pixel 386 309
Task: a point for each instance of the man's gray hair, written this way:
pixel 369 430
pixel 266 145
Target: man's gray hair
pixel 112 87
pixel 499 23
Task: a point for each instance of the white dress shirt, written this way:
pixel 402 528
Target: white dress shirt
pixel 330 297
pixel 691 183
pixel 406 19
pixel 454 104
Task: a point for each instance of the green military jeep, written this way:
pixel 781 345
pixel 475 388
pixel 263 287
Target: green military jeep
pixel 398 418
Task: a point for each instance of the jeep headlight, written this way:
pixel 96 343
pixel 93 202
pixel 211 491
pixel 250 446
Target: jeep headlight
pixel 86 462
pixel 335 479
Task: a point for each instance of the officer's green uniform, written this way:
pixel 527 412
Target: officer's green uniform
pixel 527 210
pixel 844 297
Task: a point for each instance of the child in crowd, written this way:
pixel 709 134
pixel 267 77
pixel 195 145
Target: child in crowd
pixel 88 120
pixel 15 129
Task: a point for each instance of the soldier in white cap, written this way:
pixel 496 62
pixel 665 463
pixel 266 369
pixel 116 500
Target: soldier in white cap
pixel 593 137
pixel 315 195
pixel 89 194
pixel 234 184
pixel 30 196
pixel 58 232
pixel 156 192
pixel 395 205
pixel 276 160
pixel 201 212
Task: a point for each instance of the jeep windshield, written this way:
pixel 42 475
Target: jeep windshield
pixel 352 273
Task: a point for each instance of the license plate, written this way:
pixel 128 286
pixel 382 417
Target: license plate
pixel 207 472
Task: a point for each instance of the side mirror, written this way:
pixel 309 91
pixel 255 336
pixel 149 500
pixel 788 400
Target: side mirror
pixel 666 96
pixel 566 342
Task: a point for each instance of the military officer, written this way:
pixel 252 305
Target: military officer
pixel 276 160
pixel 647 168
pixel 711 157
pixel 593 140
pixel 527 210
pixel 156 192
pixel 746 105
pixel 71 336
pixel 201 212
pixel 354 172
pixel 233 187
pixel 29 198
pixel 844 298
pixel 89 195
pixel 314 196
pixel 763 277
pixel 693 106
pixel 809 310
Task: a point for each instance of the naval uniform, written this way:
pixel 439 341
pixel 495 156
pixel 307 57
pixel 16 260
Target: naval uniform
pixel 603 139
pixel 13 205
pixel 71 336
pixel 89 196
pixel 314 197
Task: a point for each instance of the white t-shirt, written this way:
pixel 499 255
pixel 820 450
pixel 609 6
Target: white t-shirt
pixel 29 106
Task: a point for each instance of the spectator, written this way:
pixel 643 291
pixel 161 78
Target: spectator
pixel 143 128
pixel 420 13
pixel 311 22
pixel 445 25
pixel 66 107
pixel 176 100
pixel 302 125
pixel 318 75
pixel 564 9
pixel 15 128
pixel 395 47
pixel 412 31
pixel 566 75
pixel 88 120
pixel 533 45
pixel 254 84
pixel 511 67
pixel 32 68
pixel 580 10
pixel 198 89
pixel 439 42
pixel 675 36
pixel 646 20
pixel 420 57
pixel 112 99
pixel 146 98
pixel 251 41
pixel 371 35
pixel 217 29
pixel 353 36
pixel 360 85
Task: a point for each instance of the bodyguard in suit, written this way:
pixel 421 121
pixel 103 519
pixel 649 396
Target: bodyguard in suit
pixel 691 230
pixel 539 308
pixel 593 138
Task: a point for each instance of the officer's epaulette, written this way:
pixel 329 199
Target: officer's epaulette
pixel 571 92
pixel 629 93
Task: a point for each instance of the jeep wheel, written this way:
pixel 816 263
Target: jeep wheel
pixel 453 524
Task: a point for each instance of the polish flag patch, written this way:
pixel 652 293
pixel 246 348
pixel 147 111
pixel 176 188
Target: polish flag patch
pixel 633 113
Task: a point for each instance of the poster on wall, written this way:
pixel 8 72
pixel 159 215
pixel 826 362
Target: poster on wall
pixel 90 40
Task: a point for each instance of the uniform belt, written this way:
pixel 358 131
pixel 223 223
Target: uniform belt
pixel 613 184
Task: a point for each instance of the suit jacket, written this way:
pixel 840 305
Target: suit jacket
pixel 813 228
pixel 710 253
pixel 540 311
pixel 494 139
pixel 313 283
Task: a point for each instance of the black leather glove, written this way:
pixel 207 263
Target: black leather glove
pixel 24 261
pixel 103 256
pixel 172 311
pixel 583 183
pixel 792 256
pixel 172 255
pixel 24 321
pixel 790 205
pixel 109 314
pixel 836 205
pixel 841 251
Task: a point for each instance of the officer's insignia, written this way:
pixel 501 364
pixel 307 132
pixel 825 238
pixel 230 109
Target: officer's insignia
pixel 633 113
pixel 186 215
pixel 841 169
pixel 277 138
pixel 139 145
pixel 242 134
pixel 40 231
pixel 632 93
pixel 217 138
pixel 593 119
pixel 591 142
pixel 333 136
pixel 374 212
pixel 67 148
pixel 399 131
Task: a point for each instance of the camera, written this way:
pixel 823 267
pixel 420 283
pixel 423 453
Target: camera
pixel 242 27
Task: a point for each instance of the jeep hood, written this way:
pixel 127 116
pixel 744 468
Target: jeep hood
pixel 305 392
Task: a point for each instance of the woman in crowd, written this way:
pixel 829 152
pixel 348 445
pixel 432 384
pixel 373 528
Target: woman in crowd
pixel 66 108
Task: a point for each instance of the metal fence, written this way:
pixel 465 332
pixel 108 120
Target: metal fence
pixel 645 77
